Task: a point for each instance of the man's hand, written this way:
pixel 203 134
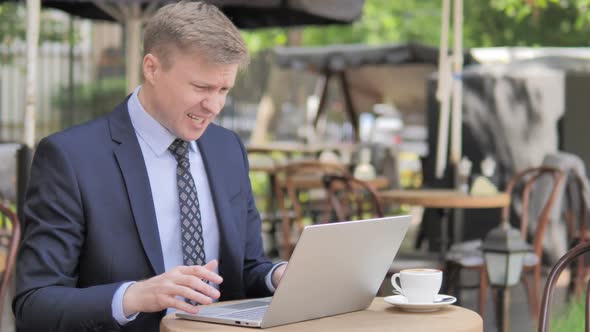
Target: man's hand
pixel 277 274
pixel 160 292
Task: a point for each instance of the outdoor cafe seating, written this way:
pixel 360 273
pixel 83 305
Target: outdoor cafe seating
pixel 468 255
pixel 299 193
pixel 350 198
pixel 306 184
pixel 9 240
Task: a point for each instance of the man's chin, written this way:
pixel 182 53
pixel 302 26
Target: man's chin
pixel 193 136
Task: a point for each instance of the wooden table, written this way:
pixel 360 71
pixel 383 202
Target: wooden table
pixel 294 147
pixel 445 199
pixel 380 316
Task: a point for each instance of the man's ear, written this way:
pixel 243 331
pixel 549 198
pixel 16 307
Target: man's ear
pixel 151 66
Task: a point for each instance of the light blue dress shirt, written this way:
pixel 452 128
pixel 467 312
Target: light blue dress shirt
pixel 154 140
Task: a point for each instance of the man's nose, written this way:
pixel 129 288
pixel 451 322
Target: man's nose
pixel 213 103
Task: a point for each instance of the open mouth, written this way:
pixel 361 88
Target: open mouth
pixel 198 119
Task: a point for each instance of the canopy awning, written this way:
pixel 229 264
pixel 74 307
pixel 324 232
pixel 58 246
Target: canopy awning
pixel 246 14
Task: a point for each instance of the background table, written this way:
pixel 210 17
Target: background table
pixel 291 148
pixel 380 316
pixel 445 200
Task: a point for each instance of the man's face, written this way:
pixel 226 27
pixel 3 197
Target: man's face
pixel 189 94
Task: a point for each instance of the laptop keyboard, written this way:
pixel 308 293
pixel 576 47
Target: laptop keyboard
pixel 255 314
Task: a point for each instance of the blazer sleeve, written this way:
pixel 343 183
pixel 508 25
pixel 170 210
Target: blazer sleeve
pixel 256 264
pixel 47 296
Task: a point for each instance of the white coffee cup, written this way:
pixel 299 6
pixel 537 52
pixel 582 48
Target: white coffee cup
pixel 418 285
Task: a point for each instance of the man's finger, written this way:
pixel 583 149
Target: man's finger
pixel 191 294
pixel 198 284
pixel 182 305
pixel 202 272
pixel 211 265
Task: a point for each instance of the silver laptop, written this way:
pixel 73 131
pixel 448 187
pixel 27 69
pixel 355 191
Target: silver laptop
pixel 335 268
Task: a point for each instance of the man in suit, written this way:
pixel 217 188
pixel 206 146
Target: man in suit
pixel 149 208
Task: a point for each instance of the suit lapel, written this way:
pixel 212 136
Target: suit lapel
pixel 130 159
pixel 228 233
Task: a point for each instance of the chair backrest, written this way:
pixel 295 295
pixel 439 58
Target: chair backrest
pixel 546 302
pixel 298 176
pixel 9 240
pixel 294 178
pixel 350 198
pixel 526 181
pixel 576 217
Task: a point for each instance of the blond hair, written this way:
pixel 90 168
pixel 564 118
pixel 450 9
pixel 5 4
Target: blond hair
pixel 194 26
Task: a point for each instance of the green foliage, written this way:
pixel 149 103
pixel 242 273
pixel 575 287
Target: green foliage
pixel 486 23
pixel 383 21
pixel 13 25
pixel 91 100
pixel 572 319
pixel 260 188
pixel 518 23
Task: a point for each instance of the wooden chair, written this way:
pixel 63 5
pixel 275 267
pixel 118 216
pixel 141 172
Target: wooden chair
pixel 576 217
pixel 9 240
pixel 571 256
pixel 295 180
pixel 468 256
pixel 350 198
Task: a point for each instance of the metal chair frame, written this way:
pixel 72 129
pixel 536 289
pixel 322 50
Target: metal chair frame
pixel 569 257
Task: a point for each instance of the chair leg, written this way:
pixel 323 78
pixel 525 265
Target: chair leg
pixel 536 289
pixel 531 294
pixel 579 276
pixel 483 291
pixel 452 286
pixel 285 224
pixel 450 283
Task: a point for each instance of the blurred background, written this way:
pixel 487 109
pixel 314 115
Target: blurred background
pixel 527 69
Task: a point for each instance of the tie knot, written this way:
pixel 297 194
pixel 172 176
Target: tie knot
pixel 179 149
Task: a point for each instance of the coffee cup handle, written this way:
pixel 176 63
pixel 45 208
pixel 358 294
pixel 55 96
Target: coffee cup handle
pixel 395 284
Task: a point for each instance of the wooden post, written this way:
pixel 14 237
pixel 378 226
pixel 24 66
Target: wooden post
pixel 29 122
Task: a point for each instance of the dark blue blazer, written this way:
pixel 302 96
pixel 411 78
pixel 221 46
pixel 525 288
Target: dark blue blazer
pixel 90 225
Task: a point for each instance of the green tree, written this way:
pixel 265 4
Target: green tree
pixel 486 23
pixel 383 21
pixel 528 23
pixel 12 25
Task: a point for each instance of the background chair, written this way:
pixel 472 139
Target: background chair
pixel 9 240
pixel 296 191
pixel 349 198
pixel 545 312
pixel 468 256
pixel 576 217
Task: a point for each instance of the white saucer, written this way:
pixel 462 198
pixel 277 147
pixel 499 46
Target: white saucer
pixel 401 302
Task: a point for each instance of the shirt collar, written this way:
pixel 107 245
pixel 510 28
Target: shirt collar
pixel 157 137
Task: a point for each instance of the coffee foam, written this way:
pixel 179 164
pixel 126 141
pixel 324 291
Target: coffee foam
pixel 421 271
